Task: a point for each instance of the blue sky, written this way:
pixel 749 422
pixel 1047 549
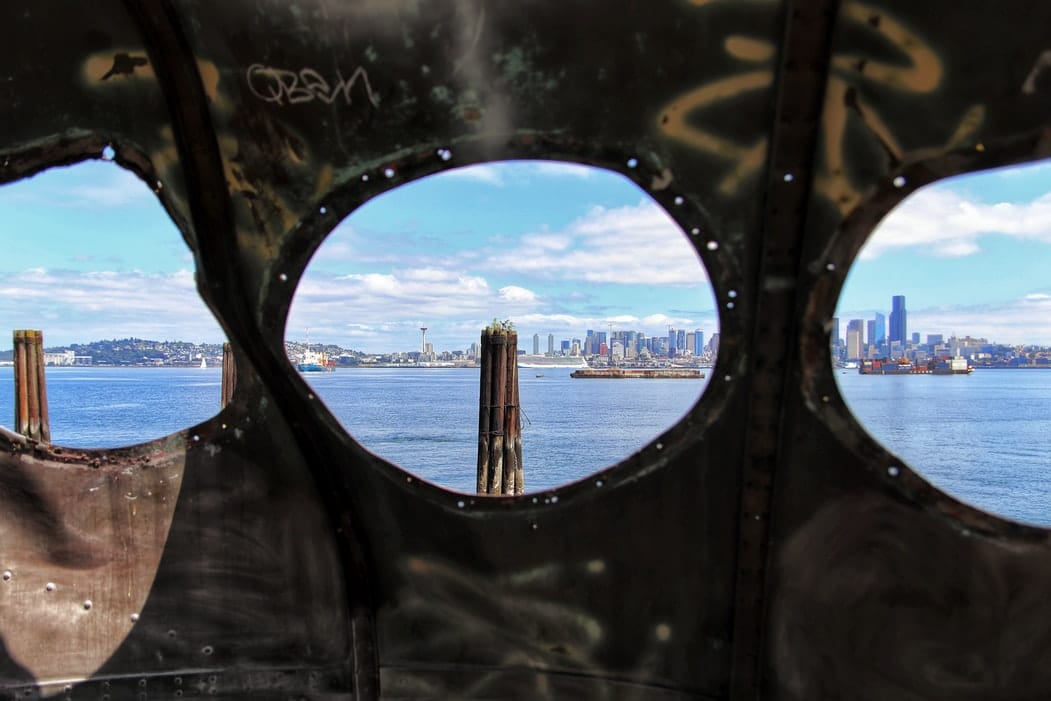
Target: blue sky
pixel 90 254
pixel 555 248
pixel 971 254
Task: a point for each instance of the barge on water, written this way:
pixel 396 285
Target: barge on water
pixel 938 366
pixel 638 373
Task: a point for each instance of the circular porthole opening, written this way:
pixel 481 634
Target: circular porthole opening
pixel 93 261
pixel 589 272
pixel 942 338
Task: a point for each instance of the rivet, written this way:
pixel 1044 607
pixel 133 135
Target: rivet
pixel 365 178
pixel 445 154
pixel 87 604
pixel 389 172
pixel 731 294
pixel 830 267
pixel 554 500
pixel 282 277
pixel 134 617
pixel 899 181
pixel 459 504
pixel 598 483
pixel 7 575
pixel 729 305
pixel 713 245
pixel 108 153
pixel 695 231
pixel 207 650
pixel 825 398
pixel 892 471
pixel 142 682
pixel 196 438
pixel 679 200
pixel 728 378
pixel 323 210
pixel 50 586
pixel 789 177
pixel 659 446
pixel 632 162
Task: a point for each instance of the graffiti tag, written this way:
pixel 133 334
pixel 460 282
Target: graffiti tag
pixel 285 87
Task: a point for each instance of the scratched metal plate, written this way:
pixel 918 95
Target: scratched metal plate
pixel 760 548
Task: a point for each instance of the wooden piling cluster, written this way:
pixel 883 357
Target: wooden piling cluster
pixel 499 417
pixel 31 415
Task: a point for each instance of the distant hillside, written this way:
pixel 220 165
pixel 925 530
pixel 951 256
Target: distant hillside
pixel 138 351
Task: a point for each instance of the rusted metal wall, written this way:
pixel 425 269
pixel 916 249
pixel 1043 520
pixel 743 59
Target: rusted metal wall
pixel 760 548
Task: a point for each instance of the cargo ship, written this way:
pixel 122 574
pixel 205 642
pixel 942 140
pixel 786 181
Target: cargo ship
pixel 638 373
pixel 315 361
pixel 902 366
pixel 951 366
pixel 552 362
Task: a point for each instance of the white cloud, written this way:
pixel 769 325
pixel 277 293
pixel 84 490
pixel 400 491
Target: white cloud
pixel 489 174
pixel 558 169
pixel 941 222
pixel 630 245
pixel 515 294
pixel 83 306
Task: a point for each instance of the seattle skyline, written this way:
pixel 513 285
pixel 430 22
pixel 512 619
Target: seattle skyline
pixel 555 248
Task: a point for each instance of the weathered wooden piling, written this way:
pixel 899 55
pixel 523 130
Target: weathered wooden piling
pixel 229 382
pixel 499 419
pixel 31 415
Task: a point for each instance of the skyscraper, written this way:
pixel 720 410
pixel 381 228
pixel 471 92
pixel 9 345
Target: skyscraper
pixel 671 343
pixel 536 344
pixel 855 338
pixel 551 344
pixel 881 330
pixel 898 325
pixel 698 342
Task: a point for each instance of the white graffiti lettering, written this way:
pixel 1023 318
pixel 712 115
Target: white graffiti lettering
pixel 285 87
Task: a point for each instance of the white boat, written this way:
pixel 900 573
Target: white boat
pixel 570 362
pixel 314 361
pixel 204 365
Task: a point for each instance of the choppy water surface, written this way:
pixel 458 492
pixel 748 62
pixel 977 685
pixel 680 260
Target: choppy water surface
pixel 985 438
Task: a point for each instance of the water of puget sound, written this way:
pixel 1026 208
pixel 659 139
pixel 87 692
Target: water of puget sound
pixel 984 438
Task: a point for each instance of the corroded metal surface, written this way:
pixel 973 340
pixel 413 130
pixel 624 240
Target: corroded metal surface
pixel 759 548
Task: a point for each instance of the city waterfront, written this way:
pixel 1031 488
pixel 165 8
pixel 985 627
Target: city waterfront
pixel 985 437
